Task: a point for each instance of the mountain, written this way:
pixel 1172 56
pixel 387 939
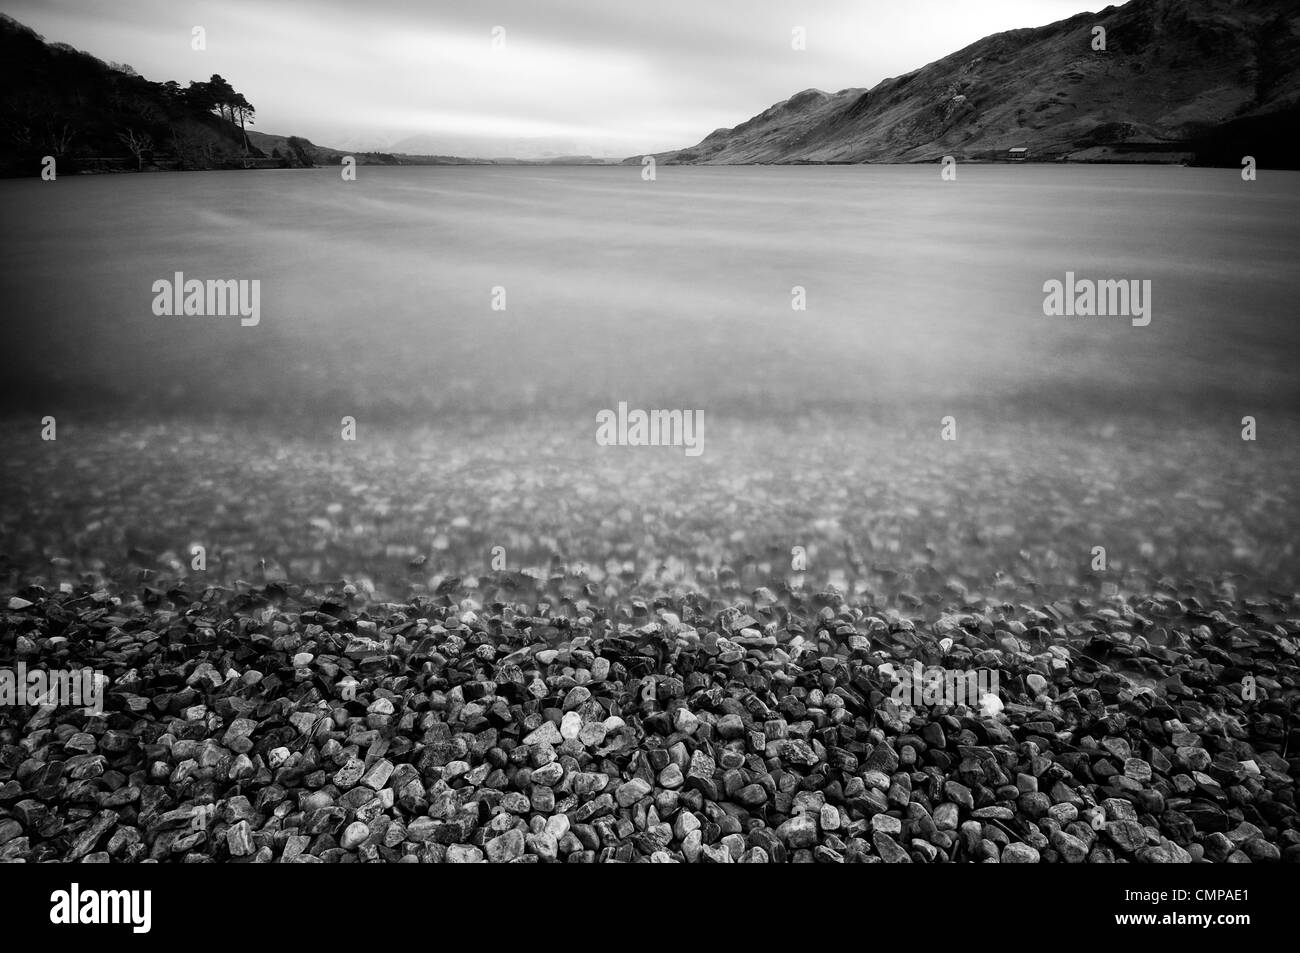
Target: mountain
pixel 531 148
pixel 96 116
pixel 303 152
pixel 300 151
pixel 1203 81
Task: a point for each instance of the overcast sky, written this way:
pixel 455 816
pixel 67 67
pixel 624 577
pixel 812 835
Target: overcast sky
pixel 614 77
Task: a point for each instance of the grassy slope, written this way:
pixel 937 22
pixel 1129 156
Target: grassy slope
pixel 1174 76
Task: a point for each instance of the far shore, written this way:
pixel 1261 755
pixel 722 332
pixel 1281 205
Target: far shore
pixel 125 166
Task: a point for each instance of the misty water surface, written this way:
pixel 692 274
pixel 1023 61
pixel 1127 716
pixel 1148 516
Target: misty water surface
pixel 922 295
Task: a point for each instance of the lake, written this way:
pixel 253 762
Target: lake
pixel 922 296
pixel 477 427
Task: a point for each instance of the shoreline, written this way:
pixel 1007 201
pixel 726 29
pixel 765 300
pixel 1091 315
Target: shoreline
pixel 635 160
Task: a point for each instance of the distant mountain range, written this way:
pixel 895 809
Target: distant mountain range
pixel 328 155
pixel 309 153
pixel 1198 81
pixel 540 148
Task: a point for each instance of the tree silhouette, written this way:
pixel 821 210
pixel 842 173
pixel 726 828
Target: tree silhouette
pixel 243 110
pixel 138 143
pixel 223 97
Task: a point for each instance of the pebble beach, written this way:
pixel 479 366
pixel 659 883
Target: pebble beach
pixel 506 643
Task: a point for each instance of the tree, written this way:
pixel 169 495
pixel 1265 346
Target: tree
pixel 19 120
pixel 200 96
pixel 144 107
pixel 223 96
pixel 58 136
pixel 189 148
pixel 244 111
pixel 138 143
pixel 17 131
pixel 298 150
pixel 35 120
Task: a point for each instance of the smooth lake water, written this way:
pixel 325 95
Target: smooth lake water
pixel 821 427
pixel 922 295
